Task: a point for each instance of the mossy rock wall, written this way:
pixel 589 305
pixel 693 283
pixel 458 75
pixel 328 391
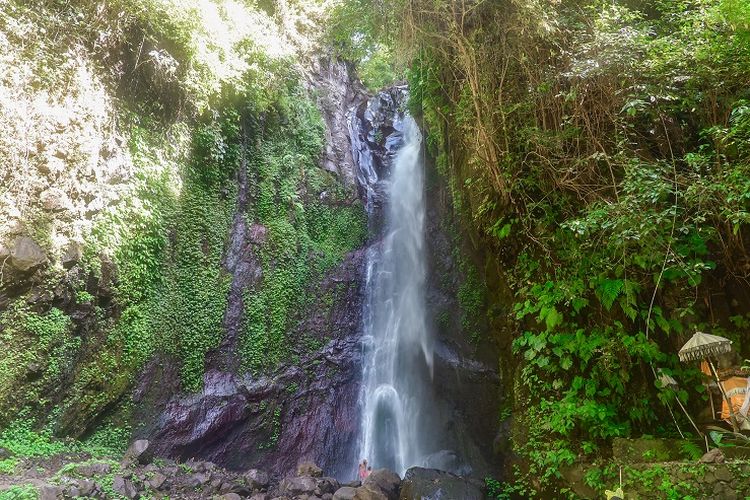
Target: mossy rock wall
pixel 664 480
pixel 130 192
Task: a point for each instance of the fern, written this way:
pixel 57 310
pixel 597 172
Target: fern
pixel 608 290
pixel 691 450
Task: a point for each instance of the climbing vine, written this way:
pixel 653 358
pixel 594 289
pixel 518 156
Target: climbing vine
pixel 311 221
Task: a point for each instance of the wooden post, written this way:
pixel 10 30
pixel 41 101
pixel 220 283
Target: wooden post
pixel 711 400
pixel 674 419
pixel 688 416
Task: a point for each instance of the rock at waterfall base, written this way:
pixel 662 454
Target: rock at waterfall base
pixel 140 451
pixel 309 469
pixel 297 485
pixel 432 484
pixel 256 479
pixel 345 493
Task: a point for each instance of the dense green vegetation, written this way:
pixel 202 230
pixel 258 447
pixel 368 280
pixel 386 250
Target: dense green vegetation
pixel 601 151
pixel 217 91
pixel 306 236
pixel 598 152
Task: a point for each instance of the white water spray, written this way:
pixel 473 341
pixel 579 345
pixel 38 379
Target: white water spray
pixel 398 351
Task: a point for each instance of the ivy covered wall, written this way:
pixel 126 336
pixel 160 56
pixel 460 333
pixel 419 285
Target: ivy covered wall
pixel 119 253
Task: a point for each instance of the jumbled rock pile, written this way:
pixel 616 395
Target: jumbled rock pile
pixel 140 475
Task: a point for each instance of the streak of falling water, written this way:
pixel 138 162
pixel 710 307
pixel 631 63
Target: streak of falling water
pixel 398 347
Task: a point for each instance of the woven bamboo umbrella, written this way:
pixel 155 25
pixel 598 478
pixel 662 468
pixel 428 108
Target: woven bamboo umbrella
pixel 703 346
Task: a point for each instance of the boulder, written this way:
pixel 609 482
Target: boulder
pixel 49 492
pixel 4 454
pixel 309 469
pixel 241 489
pixel 26 254
pixel 230 496
pixel 86 487
pixel 83 488
pixel 327 485
pixel 345 493
pixel 714 456
pixel 363 493
pixel 200 466
pixel 157 480
pixel 71 255
pixel 140 451
pixel 722 473
pixel 383 481
pixel 124 487
pixel 297 485
pixel 94 469
pixel 432 484
pixel 198 479
pixel 256 479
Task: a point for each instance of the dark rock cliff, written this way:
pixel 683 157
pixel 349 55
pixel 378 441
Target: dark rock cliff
pixel 468 384
pixel 303 410
pixel 306 409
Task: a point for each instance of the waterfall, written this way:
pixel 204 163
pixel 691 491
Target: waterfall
pixel 398 351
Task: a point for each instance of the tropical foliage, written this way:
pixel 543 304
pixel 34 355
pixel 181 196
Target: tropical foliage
pixel 601 149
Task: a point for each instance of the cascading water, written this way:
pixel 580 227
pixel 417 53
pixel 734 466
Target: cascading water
pixel 398 350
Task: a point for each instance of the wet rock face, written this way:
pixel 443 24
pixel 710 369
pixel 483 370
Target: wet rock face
pixel 431 484
pixel 376 135
pixel 306 409
pixel 467 383
pixel 338 92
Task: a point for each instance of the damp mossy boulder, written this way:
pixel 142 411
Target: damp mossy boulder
pixel 433 484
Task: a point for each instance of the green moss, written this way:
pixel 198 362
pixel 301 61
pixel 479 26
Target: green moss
pixel 107 441
pixel 8 465
pixel 22 440
pixel 47 327
pixel 307 236
pixel 42 347
pixel 189 306
pixel 274 431
pixel 22 492
pixel 471 299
